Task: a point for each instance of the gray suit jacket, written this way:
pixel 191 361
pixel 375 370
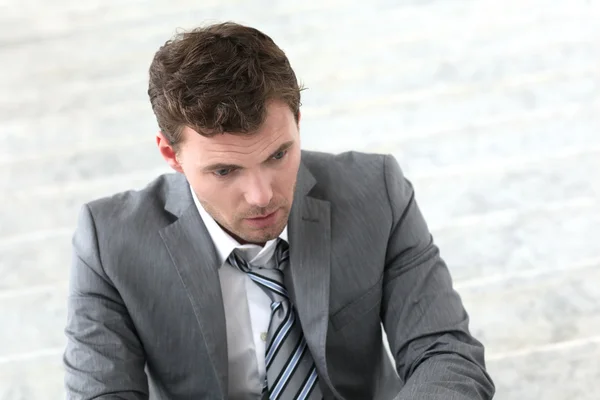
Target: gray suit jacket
pixel 145 312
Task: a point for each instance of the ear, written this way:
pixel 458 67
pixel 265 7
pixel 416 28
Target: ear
pixel 168 152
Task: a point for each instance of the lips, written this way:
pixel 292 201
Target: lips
pixel 263 216
pixel 263 221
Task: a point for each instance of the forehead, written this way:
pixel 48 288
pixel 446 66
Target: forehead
pixel 279 127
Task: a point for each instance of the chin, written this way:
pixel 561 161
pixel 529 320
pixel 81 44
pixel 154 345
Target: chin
pixel 262 236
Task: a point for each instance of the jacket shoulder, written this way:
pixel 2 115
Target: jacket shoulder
pixel 346 173
pixel 136 204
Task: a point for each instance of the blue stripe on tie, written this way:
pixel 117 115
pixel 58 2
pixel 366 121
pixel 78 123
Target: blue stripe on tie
pixel 288 370
pixel 269 284
pixel 276 343
pixel 281 326
pixel 309 385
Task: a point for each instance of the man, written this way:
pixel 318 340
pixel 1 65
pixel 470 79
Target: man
pixel 257 270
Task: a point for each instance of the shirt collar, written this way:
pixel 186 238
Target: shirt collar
pixel 223 242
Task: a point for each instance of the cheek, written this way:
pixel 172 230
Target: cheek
pixel 220 204
pixel 220 198
pixel 209 191
pixel 286 181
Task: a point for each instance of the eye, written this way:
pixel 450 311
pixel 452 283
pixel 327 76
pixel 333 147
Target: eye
pixel 223 172
pixel 279 155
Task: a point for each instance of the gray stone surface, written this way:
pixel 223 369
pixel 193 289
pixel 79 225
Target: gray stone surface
pixel 492 108
pixel 553 372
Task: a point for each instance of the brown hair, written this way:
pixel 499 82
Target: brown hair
pixel 218 79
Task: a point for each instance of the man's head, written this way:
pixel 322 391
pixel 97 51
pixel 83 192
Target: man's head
pixel 228 106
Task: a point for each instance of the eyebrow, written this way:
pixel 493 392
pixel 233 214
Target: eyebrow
pixel 217 166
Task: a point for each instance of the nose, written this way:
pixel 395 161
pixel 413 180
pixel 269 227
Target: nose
pixel 258 191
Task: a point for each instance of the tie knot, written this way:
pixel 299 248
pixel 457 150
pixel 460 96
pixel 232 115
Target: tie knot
pixel 237 260
pixel 269 279
pixel 281 256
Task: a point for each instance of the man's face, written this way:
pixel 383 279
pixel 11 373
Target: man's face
pixel 241 178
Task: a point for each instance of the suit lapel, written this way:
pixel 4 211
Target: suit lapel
pixel 195 259
pixel 310 237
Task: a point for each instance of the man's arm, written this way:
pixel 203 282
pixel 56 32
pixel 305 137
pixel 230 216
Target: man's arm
pixel 103 358
pixel 424 319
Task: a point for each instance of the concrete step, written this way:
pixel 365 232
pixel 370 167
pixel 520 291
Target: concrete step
pixel 541 309
pixel 37 378
pixel 540 241
pixel 563 371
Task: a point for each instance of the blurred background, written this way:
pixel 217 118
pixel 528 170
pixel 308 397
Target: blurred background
pixel 492 108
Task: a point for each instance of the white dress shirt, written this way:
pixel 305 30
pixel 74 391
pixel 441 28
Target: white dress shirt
pixel 247 309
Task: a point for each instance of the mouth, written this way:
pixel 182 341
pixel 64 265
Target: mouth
pixel 263 221
pixel 262 216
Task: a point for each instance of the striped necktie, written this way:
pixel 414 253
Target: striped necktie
pixel 291 371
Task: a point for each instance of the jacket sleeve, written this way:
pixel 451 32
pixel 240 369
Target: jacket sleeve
pixel 424 318
pixel 104 358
